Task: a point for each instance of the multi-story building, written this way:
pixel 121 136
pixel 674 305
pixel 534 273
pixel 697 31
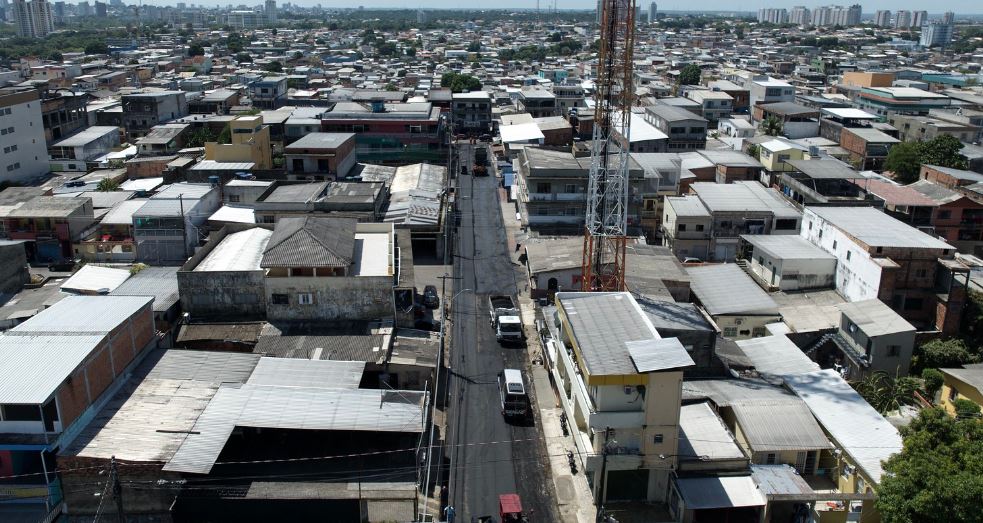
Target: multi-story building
pixel 250 143
pixel 766 90
pixel 714 104
pixel 773 16
pixel 919 18
pixel 168 227
pixel 49 225
pixel 320 156
pixel 884 101
pixel 800 15
pixel 881 257
pixel 471 112
pixel 948 17
pixel 142 111
pixel 902 20
pixel 537 101
pixel 63 113
pixel 246 19
pixel 74 153
pixel 33 19
pixel 925 128
pixel 269 92
pixel 23 156
pixel 270 10
pixel 936 34
pixel 390 133
pixel 568 96
pixel 653 12
pixel 609 362
pixel 882 18
pixel 686 130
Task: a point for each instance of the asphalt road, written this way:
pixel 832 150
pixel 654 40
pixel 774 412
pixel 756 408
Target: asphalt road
pixel 486 455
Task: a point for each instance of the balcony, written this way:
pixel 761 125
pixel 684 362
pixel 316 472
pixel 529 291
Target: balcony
pixel 557 196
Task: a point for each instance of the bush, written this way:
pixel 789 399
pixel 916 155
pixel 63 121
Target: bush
pixel 932 379
pixel 939 354
pixel 966 409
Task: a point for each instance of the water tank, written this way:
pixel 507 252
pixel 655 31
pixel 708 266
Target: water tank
pixel 244 175
pixel 814 151
pixel 378 106
pixel 214 181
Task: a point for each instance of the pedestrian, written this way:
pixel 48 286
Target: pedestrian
pixel 449 514
pixel 517 246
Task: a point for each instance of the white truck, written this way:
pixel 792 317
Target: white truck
pixel 505 319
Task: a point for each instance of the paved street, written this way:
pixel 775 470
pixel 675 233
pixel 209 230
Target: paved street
pixel 486 455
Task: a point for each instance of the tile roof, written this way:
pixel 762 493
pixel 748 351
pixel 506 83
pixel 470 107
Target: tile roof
pixel 309 241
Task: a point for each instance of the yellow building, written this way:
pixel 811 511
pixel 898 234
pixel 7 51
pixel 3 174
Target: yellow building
pixel 621 385
pixel 775 155
pixel 250 143
pixel 961 384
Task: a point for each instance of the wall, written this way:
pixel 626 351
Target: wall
pixel 790 275
pixel 239 295
pixel 857 278
pixel 953 389
pixel 13 268
pixel 746 326
pixel 350 298
pixel 23 129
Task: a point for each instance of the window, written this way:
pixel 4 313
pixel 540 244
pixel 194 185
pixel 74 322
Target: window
pixel 810 226
pixel 893 351
pixel 570 188
pixel 945 215
pixel 913 304
pixel 953 393
pixel 681 227
pixel 695 130
pixel 920 273
pixel 21 413
pixel 834 245
pixel 880 250
pixel 280 299
pixel 305 298
pixel 785 224
pixel 848 253
pixel 544 188
pixel 771 458
pixel 730 332
pixel 658 438
pixel 699 227
pixel 758 332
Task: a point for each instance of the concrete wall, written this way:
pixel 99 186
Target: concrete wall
pixel 791 275
pixel 349 298
pixel 745 327
pixel 239 295
pixel 858 276
pixel 13 267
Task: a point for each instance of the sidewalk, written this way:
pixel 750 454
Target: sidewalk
pixel 573 495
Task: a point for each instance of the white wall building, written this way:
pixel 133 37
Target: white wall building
pixel 23 154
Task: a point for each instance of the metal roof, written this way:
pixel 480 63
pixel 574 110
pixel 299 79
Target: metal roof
pixel 212 165
pixel 798 429
pixel 308 241
pixel 658 354
pixel 296 192
pixel 849 112
pixel 786 247
pixel 876 229
pixel 521 132
pixel 48 207
pixel 83 315
pixel 717 285
pixel 288 372
pixel 122 213
pixel 601 323
pixel 230 214
pixel 687 206
pixel 743 196
pixel 776 356
pixel 157 282
pixel 719 492
pixel 875 318
pixel 970 376
pixel 318 141
pixel 303 408
pixel 92 278
pixel 781 480
pixel 87 136
pixel 345 347
pixel 824 169
pixel 702 434
pixel 239 251
pixel 183 190
pixel 853 424
pixel 34 365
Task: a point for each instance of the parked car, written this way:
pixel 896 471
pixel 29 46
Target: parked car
pixel 430 297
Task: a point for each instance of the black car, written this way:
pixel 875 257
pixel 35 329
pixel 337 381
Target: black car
pixel 430 297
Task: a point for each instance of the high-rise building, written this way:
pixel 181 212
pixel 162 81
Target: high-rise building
pixel 919 18
pixel 936 34
pixel 949 18
pixel 653 12
pixel 101 10
pixel 271 12
pixel 853 14
pixel 773 16
pixel 33 19
pixel 421 16
pixel 24 155
pixel 882 19
pixel 83 9
pixel 902 20
pixel 822 16
pixel 800 15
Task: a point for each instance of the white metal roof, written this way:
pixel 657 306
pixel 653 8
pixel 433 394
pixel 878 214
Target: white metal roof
pixel 786 247
pixel 719 492
pixel 289 372
pixel 227 213
pixel 717 285
pixel 850 112
pixel 658 354
pixel 776 356
pixel 142 184
pixel 122 212
pixel 92 278
pixel 522 132
pixel 372 256
pixel 853 424
pixel 35 365
pixel 239 251
pixel 83 315
pixel 703 434
pixel 743 196
pixel 876 229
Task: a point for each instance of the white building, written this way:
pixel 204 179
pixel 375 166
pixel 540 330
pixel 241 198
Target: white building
pixel 23 155
pixel 919 18
pixel 882 18
pixel 902 20
pixel 271 11
pixel 653 12
pixel 33 19
pixel 800 15
pixel 936 34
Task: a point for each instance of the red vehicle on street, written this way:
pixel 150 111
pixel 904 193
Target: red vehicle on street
pixel 510 508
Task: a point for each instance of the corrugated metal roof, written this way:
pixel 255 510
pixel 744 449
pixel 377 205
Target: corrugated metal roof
pixel 776 356
pixel 358 347
pixel 92 278
pixel 798 429
pixel 744 196
pixel 719 492
pixel 229 214
pixel 184 190
pixel 601 324
pixel 294 408
pixel 157 282
pixel 308 241
pixel 287 372
pixel 703 434
pixel 83 315
pixel 853 424
pixel 239 251
pixel 122 213
pixel 780 480
pixel 824 169
pixel 875 318
pixel 876 229
pixel 34 365
pixel 717 285
pixel 655 354
pixel 786 247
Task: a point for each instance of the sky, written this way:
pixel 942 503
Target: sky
pixel 870 6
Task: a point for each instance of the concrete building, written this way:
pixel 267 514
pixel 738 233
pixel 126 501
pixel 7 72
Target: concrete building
pixel 714 288
pixel 920 19
pixel 788 263
pixel 882 18
pixel 23 157
pixel 964 383
pixel 14 272
pixel 685 130
pixel 320 156
pixel 329 268
pixel 169 226
pixel 143 111
pixel 50 226
pixel 885 101
pixel 880 257
pixel 75 152
pixel 250 143
pixel 902 20
pixel 619 380
pixel 715 105
pixel 800 15
pixel 936 34
pixel 391 133
pixel 270 11
pixel 471 112
pixel 871 338
pixel 33 19
pixel 538 102
pixel 269 92
pixel 766 90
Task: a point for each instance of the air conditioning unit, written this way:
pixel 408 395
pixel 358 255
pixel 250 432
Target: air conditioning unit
pixel 739 321
pixel 628 389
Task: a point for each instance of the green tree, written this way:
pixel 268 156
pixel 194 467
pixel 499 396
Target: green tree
pixel 771 126
pixel 199 136
pixel 459 83
pixel 226 135
pixel 273 67
pixel 390 87
pixel 298 55
pixel 884 393
pixel 96 48
pixel 107 185
pixel 943 150
pixel 932 379
pixel 938 475
pixel 474 47
pixel 966 408
pixel 904 160
pixel 754 150
pixel 196 49
pixel 55 56
pixel 411 51
pixel 939 354
pixel 690 75
pixel 243 58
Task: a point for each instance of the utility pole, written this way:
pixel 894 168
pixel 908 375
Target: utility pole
pixel 599 501
pixel 117 490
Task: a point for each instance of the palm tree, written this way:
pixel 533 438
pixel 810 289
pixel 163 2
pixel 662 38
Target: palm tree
pixel 771 126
